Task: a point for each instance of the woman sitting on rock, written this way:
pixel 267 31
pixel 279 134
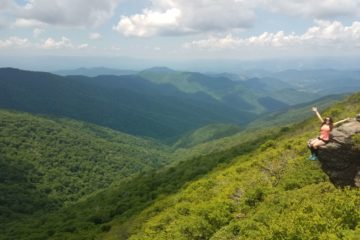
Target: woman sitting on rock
pixel 325 129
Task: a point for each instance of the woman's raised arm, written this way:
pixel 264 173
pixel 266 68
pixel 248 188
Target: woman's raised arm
pixel 318 114
pixel 341 121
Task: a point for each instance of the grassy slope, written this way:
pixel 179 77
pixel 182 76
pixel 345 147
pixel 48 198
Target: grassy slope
pixel 206 134
pixel 122 200
pixel 273 192
pixel 46 163
pixel 260 127
pixel 118 209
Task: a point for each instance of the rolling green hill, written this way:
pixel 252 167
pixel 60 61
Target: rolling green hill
pixel 257 128
pixel 236 94
pixel 64 179
pixel 126 103
pixel 48 163
pixel 122 200
pixel 206 134
pixel 263 187
pixel 161 103
pixel 274 92
pixel 273 192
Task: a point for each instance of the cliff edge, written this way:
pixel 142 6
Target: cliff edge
pixel 340 158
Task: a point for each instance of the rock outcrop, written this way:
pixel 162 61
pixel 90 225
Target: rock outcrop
pixel 340 158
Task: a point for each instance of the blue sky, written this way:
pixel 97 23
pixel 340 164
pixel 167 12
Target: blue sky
pixel 180 29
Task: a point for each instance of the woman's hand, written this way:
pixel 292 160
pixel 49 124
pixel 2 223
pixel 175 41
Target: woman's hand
pixel 317 114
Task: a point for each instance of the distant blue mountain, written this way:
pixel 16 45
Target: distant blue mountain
pixel 322 82
pixel 93 72
pixel 159 70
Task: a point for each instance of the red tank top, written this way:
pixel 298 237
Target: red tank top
pixel 325 132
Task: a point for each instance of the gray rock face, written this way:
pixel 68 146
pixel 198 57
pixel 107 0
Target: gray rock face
pixel 339 159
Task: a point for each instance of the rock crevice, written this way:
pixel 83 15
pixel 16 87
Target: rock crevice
pixel 340 158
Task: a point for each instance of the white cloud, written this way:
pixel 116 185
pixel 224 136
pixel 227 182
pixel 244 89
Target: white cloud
pixel 94 36
pixel 171 17
pixel 67 12
pixel 324 35
pixel 149 23
pixel 22 22
pixel 83 46
pixel 63 43
pixel 50 43
pixel 14 42
pixel 324 9
pixel 37 32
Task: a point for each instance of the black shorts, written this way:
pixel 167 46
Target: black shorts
pixel 325 141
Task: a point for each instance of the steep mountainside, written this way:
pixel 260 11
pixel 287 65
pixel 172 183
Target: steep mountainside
pixel 206 134
pixel 261 188
pixel 340 157
pixel 273 192
pixel 256 129
pixel 121 201
pixel 126 103
pixel 46 163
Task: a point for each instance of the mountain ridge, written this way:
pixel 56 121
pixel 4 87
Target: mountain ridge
pixel 262 184
pixel 127 103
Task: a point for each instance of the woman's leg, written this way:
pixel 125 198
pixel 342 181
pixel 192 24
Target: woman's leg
pixel 317 143
pixel 311 148
pixel 314 148
pixel 312 141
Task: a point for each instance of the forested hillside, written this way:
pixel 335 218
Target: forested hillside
pixel 122 200
pixel 126 103
pixel 179 120
pixel 48 163
pixel 273 192
pixel 236 94
pixel 260 91
pixel 206 134
pixel 263 187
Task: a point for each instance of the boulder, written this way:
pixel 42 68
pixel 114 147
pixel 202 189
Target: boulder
pixel 340 158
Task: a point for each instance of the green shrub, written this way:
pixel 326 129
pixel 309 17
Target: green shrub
pixel 356 142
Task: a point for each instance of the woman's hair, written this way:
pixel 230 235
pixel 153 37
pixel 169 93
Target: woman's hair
pixel 331 124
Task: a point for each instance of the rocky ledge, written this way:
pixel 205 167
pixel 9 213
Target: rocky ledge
pixel 340 158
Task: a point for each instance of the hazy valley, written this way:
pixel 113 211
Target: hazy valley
pixel 165 154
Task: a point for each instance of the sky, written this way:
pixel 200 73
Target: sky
pixel 178 30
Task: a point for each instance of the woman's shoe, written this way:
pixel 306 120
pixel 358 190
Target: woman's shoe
pixel 313 157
